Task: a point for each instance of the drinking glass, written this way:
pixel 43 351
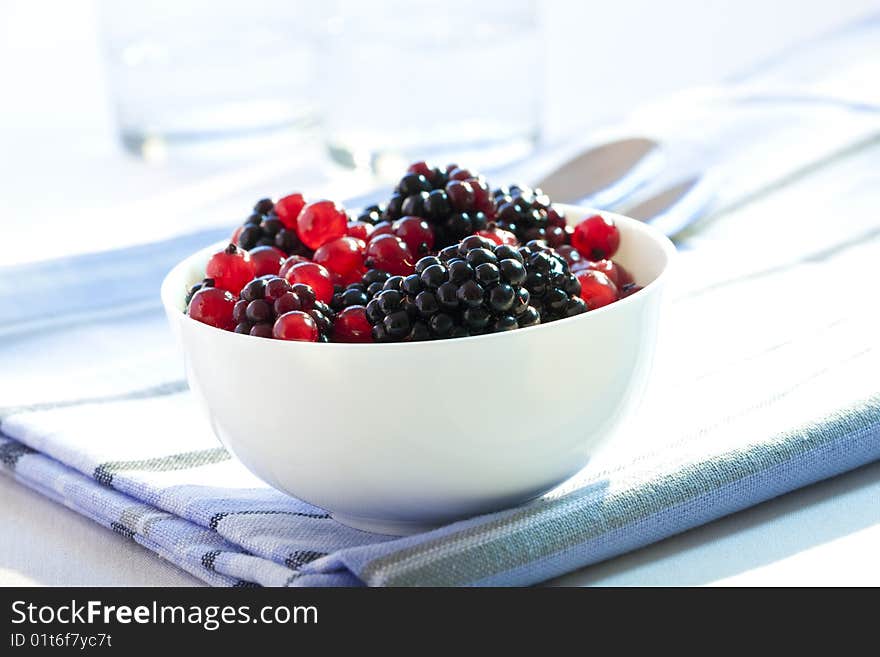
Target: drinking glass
pixel 195 71
pixel 434 79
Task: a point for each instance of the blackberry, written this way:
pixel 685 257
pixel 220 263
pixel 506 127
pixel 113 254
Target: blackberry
pixel 264 228
pixel 265 299
pixel 529 214
pixel 473 288
pixel 264 206
pixel 553 290
pixel 413 183
pixel 205 282
pixel 454 202
pixel 354 294
pixel 360 293
pixel 372 214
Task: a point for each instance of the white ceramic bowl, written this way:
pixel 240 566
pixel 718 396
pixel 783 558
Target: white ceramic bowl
pixel 395 438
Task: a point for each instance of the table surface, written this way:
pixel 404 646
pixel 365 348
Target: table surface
pixel 828 533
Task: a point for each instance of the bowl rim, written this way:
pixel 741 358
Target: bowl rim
pixel 667 248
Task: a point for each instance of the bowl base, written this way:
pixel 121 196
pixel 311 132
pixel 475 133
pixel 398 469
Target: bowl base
pixel 386 527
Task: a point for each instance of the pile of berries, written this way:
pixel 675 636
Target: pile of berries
pixel 529 215
pixel 453 201
pixel 273 225
pixel 444 258
pixel 472 288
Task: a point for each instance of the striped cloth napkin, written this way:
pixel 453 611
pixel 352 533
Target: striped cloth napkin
pixel 765 382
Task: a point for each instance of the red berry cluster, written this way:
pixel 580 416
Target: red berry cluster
pixel 594 241
pixel 273 224
pixel 292 260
